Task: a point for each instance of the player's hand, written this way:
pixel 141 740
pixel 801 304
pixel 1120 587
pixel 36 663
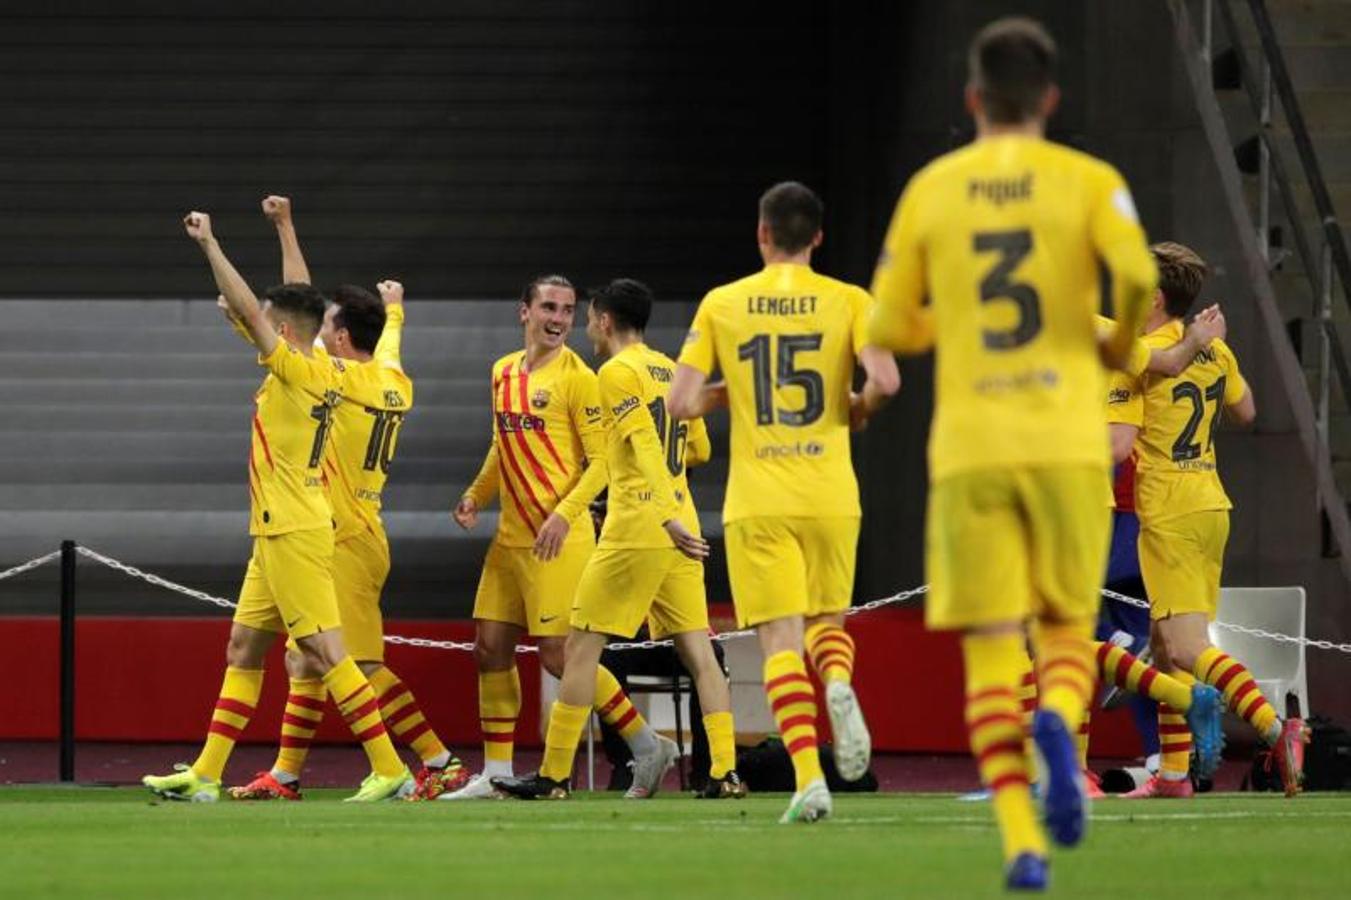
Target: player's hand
pixel 689 544
pixel 277 208
pixel 391 292
pixel 1209 325
pixel 858 412
pixel 551 536
pixel 198 227
pixel 465 513
pixel 715 395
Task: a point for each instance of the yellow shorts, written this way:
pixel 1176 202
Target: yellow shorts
pixel 790 566
pixel 518 589
pixel 621 587
pixel 1002 545
pixel 1180 561
pixel 288 587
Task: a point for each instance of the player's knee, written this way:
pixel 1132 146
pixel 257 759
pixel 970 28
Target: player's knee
pixel 246 649
pixel 492 654
pixel 552 656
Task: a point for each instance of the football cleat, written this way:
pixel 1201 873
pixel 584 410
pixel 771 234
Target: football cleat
pixel 1204 720
pixel 1064 806
pixel 728 787
pixel 650 768
pixel 383 787
pixel 1158 786
pixel 853 744
pixel 431 783
pixel 184 784
pixel 265 787
pixel 477 787
pixel 533 787
pixel 1289 755
pixel 811 804
pixel 1027 872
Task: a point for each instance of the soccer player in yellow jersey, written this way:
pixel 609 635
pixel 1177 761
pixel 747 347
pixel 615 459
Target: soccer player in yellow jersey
pixel 786 340
pixel 993 258
pixel 362 335
pixel 547 460
pixel 289 583
pixel 1184 517
pixel 648 563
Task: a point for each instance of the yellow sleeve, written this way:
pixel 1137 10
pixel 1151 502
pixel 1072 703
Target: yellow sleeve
pixel 1235 385
pixel 620 391
pixel 1125 400
pixel 484 489
pixel 585 411
pixel 312 374
pixel 389 347
pixel 698 446
pixel 1120 243
pixel 699 350
pixel 1138 361
pixel 860 313
pixel 900 319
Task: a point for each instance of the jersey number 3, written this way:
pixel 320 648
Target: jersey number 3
pixel 1012 247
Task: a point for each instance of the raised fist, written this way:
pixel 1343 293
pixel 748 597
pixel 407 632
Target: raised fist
pixel 391 292
pixel 198 226
pixel 277 208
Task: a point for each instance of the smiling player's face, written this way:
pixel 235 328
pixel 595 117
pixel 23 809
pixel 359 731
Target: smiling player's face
pixel 548 319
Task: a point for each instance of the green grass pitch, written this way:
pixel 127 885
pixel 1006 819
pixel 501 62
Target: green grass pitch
pixel 118 842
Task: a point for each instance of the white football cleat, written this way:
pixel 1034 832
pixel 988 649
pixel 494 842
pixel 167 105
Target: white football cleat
pixel 477 788
pixel 853 745
pixel 811 804
pixel 649 770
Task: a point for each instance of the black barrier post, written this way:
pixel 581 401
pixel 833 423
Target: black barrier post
pixel 67 660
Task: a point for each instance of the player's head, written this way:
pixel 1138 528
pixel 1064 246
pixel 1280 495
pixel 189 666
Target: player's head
pixel 620 309
pixel 352 322
pixel 790 220
pixel 1181 273
pixel 1011 74
pixel 548 304
pixel 296 311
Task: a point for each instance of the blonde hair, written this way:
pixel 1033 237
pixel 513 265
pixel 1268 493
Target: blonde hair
pixel 1181 273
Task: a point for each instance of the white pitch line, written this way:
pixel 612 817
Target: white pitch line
pixel 1133 817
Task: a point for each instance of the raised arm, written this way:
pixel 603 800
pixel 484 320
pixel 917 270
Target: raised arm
pixel 389 348
pixel 1208 325
pixel 239 298
pixel 1120 244
pixel 293 268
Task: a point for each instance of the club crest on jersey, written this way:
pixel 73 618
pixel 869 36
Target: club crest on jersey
pixel 394 400
pixel 539 399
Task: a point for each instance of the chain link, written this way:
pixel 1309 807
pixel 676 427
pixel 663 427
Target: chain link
pixel 30 565
pixel 465 646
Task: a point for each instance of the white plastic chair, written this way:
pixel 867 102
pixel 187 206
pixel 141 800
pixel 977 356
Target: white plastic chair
pixel 1277 666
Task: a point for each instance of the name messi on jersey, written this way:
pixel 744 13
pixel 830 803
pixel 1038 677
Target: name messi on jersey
pixel 513 422
pixel 1000 190
pixel 781 306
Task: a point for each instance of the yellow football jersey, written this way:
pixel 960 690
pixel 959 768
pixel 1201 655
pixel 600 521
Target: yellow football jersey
pixel 546 425
pixel 994 255
pixel 1176 471
pixel 375 397
pixel 645 451
pixel 290 429
pixel 785 340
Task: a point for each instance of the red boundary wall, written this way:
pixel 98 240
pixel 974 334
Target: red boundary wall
pixel 155 679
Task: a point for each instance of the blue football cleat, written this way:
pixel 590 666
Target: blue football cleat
pixel 1064 804
pixel 1203 719
pixel 1027 872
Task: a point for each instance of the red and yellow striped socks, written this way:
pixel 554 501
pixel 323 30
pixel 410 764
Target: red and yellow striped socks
pixel 831 650
pixel 793 703
pixel 356 701
pixel 1027 701
pixel 499 705
pixel 1232 679
pixel 238 697
pixel 616 710
pixel 566 723
pixel 1065 670
pixel 403 716
pixel 1126 672
pixel 721 743
pixel 1175 738
pixel 994 670
pixel 304 712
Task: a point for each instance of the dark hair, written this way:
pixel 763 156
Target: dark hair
pixel 793 213
pixel 302 304
pixel 1012 65
pixel 361 313
pixel 1181 273
pixel 531 292
pixel 629 303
